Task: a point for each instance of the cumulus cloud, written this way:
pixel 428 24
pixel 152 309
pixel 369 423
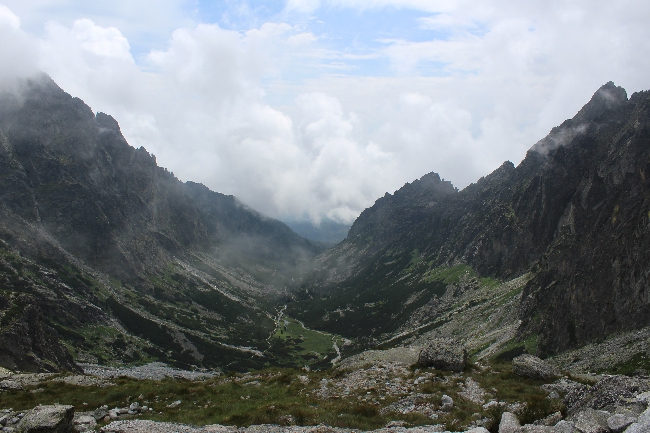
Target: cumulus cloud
pixel 17 52
pixel 279 117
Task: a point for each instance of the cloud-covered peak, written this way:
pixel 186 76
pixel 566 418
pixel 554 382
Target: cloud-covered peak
pixel 308 109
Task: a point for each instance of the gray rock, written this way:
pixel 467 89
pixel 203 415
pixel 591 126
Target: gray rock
pixel 619 422
pixel 608 393
pixel 509 423
pixel 591 421
pixel 100 413
pixel 563 386
pixel 637 428
pixel 644 397
pixel 533 367
pixel 550 420
pixel 174 404
pixel 47 419
pixel 10 384
pixel 443 354
pixel 447 403
pixel 632 411
pixel 644 418
pixel 84 423
pixel 565 427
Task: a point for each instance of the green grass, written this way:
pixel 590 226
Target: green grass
pixel 231 400
pixel 276 396
pixel 512 388
pixel 516 348
pixel 295 345
pixel 449 275
pixel 640 361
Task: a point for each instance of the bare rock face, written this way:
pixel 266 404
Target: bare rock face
pixel 592 421
pixel 47 419
pixel 532 367
pixel 27 343
pixel 619 422
pixel 610 392
pixel 443 354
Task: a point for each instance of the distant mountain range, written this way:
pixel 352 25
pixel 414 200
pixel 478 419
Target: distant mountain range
pixel 573 216
pixel 106 257
pixel 118 256
pixel 327 233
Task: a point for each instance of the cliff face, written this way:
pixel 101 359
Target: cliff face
pixel 574 213
pixel 74 174
pixel 124 262
pixel 593 278
pixel 180 272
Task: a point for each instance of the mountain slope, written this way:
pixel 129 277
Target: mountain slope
pixel 574 213
pixel 166 270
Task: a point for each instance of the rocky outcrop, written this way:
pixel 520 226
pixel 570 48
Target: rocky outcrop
pixel 27 343
pixel 533 367
pixel 47 419
pixel 573 213
pixel 609 393
pixel 84 215
pixel 601 410
pixel 509 423
pixel 443 354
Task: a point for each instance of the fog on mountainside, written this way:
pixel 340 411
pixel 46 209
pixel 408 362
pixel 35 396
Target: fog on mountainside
pixel 571 218
pixel 327 232
pixel 106 257
pixel 88 223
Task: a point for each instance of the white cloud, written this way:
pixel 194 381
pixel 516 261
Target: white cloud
pixel 17 52
pixel 302 6
pixel 260 114
pixel 8 18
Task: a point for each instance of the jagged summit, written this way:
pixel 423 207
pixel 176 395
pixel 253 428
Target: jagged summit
pixel 99 240
pixel 608 97
pixel 570 217
pixel 171 270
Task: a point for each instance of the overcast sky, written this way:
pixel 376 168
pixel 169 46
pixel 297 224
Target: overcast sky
pixel 311 109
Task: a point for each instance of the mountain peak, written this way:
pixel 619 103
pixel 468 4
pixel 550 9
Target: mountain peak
pixel 607 97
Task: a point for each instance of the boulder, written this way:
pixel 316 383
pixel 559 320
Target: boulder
pixel 638 428
pixel 443 354
pixel 84 423
pixel 509 423
pixel 619 422
pixel 550 420
pixel 533 367
pixel 608 393
pixel 565 427
pixel 591 421
pixel 100 413
pixel 47 419
pixel 644 397
pixel 447 403
pixel 644 418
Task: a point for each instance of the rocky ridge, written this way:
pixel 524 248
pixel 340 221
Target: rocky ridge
pixel 97 239
pixel 572 217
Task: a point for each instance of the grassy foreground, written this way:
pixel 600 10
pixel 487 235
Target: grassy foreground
pixel 282 396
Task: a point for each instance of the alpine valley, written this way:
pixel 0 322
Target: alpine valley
pixel 108 260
